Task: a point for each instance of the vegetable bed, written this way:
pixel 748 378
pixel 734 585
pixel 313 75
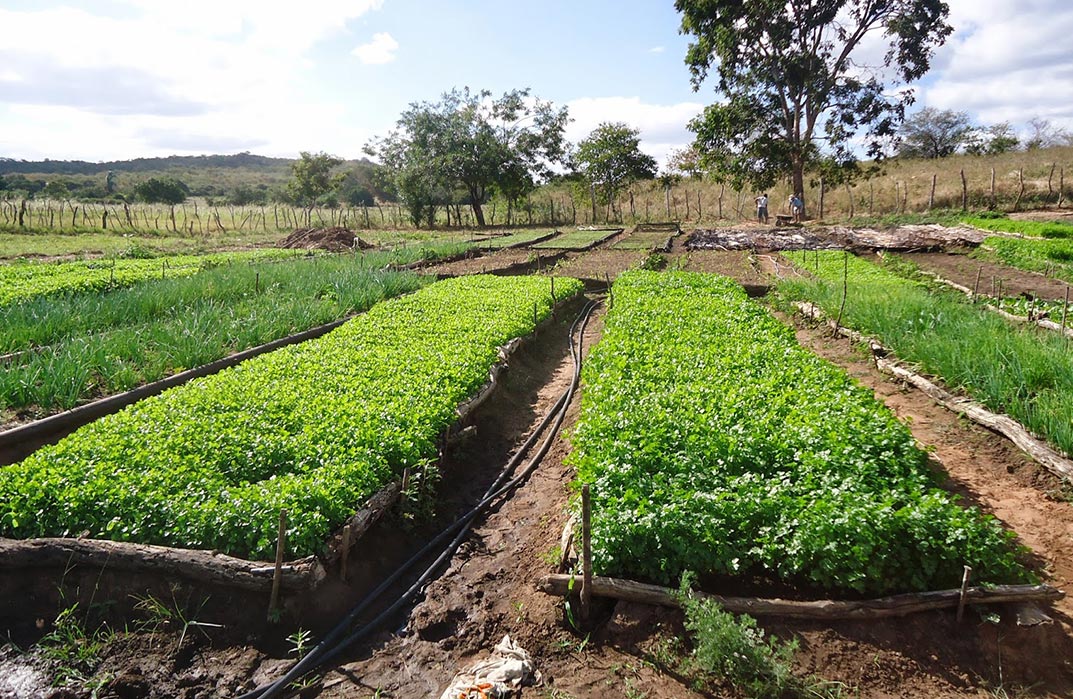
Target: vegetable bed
pixel 28 279
pixel 314 428
pixel 90 344
pixel 713 442
pixel 578 240
pixel 1023 371
pixel 515 239
pixel 1053 257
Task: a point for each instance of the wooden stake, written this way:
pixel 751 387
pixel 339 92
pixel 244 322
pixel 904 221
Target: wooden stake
pixel 1065 311
pixel 976 286
pixel 964 587
pixel 845 286
pixel 346 552
pixel 931 196
pixel 1021 191
pixel 991 205
pixel 586 557
pixel 277 575
pixel 964 191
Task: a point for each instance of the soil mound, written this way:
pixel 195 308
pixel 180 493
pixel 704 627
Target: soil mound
pixel 334 239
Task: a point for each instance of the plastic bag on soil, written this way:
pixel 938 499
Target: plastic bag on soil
pixel 508 668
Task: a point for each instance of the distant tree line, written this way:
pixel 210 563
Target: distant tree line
pixel 82 167
pixel 938 133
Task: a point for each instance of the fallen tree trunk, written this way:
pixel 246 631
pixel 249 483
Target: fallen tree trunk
pixel 1051 459
pixel 199 566
pixel 895 605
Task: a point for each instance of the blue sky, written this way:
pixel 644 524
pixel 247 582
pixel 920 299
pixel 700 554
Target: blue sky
pixel 112 79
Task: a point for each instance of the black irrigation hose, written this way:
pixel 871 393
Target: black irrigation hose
pixel 331 646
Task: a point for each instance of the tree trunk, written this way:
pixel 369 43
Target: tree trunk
pixel 478 213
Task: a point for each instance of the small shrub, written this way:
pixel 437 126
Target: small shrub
pixel 736 649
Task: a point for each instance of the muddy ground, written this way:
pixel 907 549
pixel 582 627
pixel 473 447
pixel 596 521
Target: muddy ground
pixel 487 588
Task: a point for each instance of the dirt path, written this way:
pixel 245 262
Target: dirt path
pixel 964 270
pixel 487 589
pixel 989 472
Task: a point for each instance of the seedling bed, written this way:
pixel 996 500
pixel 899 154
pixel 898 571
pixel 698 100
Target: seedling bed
pixel 524 312
pixel 579 240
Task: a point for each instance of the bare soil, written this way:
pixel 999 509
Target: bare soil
pixel 487 589
pixel 967 271
pixel 334 239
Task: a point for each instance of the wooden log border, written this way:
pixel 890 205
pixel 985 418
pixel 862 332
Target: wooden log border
pixel 825 610
pixel 19 442
pixel 1054 461
pixel 216 568
pixel 612 232
pixel 1041 322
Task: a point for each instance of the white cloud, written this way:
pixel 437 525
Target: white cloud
pixel 657 49
pixel 1006 62
pixel 380 50
pixel 153 78
pixel 663 127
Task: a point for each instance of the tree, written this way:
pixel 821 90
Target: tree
pixel 992 140
pixel 685 161
pixel 933 133
pixel 796 81
pixel 1042 134
pixel 162 190
pixel 312 178
pixel 56 189
pixel 246 194
pixel 610 159
pixel 473 144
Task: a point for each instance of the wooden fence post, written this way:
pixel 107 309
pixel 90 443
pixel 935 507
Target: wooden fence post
pixel 991 205
pixel 1021 191
pixel 964 191
pixel 931 195
pixel 346 553
pixel 823 192
pixel 964 587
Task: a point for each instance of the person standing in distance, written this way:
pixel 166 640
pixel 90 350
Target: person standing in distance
pixel 761 208
pixel 797 207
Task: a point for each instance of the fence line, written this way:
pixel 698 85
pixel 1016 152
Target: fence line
pixel 689 200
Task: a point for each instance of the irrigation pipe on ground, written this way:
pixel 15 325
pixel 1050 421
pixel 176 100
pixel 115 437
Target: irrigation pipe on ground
pixel 341 637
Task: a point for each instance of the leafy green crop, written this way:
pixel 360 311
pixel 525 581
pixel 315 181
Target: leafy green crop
pixel 29 279
pixel 714 442
pixel 1023 371
pixel 1048 256
pixel 313 428
pixel 1042 229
